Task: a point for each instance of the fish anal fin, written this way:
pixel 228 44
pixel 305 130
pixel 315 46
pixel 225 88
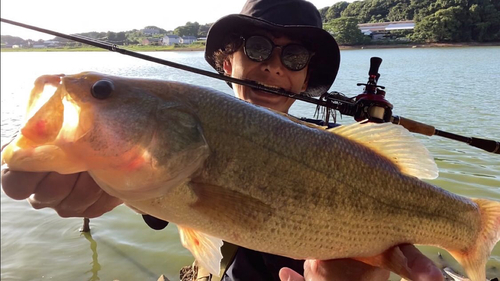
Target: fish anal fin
pixel 392 259
pixel 474 259
pixel 205 248
pixel 395 143
pixel 230 207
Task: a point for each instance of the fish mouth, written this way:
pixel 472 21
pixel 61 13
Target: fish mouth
pixel 44 88
pixel 52 115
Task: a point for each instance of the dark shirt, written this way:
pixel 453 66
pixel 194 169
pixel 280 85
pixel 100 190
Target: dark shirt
pixel 251 265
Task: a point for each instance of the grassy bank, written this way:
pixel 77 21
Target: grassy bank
pixel 200 47
pixel 136 48
pixel 418 45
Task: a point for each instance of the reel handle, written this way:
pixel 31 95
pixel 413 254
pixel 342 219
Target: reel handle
pixel 374 66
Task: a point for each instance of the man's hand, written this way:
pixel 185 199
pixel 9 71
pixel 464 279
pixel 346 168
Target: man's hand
pixel 421 267
pixel 75 195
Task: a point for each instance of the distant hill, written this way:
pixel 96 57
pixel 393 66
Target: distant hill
pixel 12 40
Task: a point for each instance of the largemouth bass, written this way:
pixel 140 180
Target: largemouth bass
pixel 223 169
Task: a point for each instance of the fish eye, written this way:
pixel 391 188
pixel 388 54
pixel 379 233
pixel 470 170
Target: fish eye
pixel 102 89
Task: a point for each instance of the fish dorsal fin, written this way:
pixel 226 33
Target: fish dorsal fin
pixel 396 144
pixel 205 248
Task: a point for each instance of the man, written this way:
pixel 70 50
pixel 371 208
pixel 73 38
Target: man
pixel 274 42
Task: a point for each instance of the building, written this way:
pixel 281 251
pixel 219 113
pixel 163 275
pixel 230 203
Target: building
pixel 381 30
pixel 151 41
pixel 171 40
pixel 187 39
pixel 51 43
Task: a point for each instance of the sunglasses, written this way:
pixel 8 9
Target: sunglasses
pixel 293 56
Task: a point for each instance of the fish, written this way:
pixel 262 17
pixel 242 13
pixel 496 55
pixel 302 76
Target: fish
pixel 222 169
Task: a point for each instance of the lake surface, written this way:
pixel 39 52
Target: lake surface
pixel 453 89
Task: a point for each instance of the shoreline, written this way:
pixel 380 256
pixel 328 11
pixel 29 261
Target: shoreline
pixel 196 49
pixel 421 45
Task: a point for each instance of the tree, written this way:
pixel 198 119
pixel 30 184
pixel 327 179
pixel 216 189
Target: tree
pixel 346 31
pixel 442 26
pixel 354 9
pixel 190 29
pixel 335 11
pixel 121 37
pixel 160 30
pixel 485 21
pixel 322 13
pixel 398 12
pixel 203 30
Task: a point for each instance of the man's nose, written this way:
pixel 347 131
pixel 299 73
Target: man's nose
pixel 273 63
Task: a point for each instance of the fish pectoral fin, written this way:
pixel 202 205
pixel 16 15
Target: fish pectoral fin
pixel 395 143
pixel 229 206
pixel 392 259
pixel 205 248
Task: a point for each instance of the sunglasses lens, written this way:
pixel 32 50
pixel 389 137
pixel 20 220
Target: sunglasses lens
pixel 258 48
pixel 295 57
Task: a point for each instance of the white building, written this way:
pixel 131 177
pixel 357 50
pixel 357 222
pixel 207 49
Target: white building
pixel 187 39
pixel 171 40
pixel 380 30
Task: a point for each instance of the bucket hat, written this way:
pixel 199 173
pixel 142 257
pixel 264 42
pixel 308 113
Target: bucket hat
pixel 292 18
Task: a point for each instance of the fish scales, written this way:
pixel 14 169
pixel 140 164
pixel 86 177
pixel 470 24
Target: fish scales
pixel 241 173
pixel 315 174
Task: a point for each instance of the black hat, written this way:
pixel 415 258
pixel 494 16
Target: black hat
pixel 293 18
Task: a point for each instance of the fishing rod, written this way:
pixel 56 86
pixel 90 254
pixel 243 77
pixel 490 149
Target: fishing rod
pixel 371 104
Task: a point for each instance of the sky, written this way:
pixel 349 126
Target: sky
pixel 110 15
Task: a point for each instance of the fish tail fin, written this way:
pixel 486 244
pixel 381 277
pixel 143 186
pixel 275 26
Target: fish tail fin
pixel 474 259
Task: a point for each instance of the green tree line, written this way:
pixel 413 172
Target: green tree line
pixel 131 37
pixel 435 20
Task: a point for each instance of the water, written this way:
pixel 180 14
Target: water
pixel 453 89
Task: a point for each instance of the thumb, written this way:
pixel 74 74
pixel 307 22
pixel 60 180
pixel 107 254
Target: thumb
pixel 288 274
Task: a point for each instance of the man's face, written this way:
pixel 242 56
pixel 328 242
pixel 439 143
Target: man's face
pixel 270 72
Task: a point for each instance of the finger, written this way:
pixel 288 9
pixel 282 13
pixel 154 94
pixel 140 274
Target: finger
pixel 288 274
pixel 20 185
pixel 343 269
pixel 422 268
pixel 85 192
pixel 52 190
pixel 105 204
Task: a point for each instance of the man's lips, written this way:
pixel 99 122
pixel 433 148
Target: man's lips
pixel 265 95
